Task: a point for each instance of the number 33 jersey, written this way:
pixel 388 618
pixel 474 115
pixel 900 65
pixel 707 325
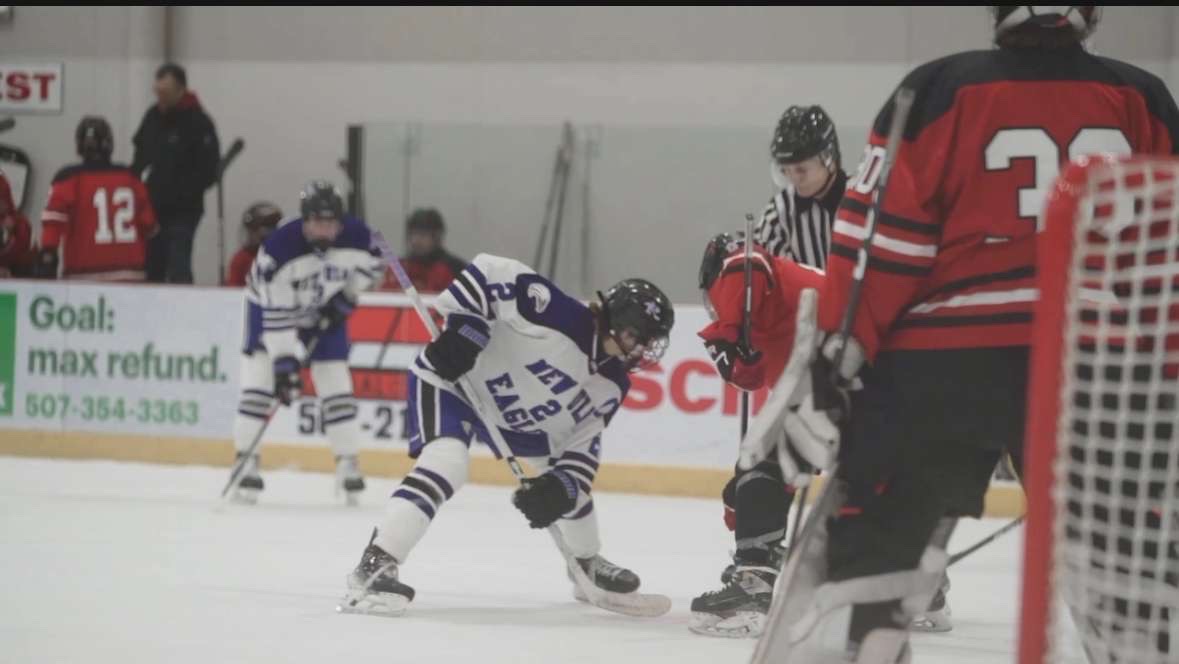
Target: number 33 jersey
pixel 102 215
pixel 542 375
pixel 953 259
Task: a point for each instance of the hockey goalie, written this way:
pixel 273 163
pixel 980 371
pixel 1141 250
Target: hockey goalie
pixel 933 272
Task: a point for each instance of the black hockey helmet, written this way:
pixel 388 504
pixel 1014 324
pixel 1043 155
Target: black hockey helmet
pixel 1081 20
pixel 320 198
pixel 804 132
pixel 94 139
pixel 261 214
pixel 427 220
pixel 639 317
pixel 718 248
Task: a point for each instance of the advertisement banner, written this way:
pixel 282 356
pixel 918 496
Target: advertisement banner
pixel 163 361
pixel 30 88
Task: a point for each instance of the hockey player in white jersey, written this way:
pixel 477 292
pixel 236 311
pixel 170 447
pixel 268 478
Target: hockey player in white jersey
pixel 551 372
pixel 303 285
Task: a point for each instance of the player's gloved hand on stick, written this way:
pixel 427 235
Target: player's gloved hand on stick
pixel 288 385
pixel 543 499
pixel 736 364
pixel 336 310
pixel 454 352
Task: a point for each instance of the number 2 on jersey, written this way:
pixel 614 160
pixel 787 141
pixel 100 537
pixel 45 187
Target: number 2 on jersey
pixel 1034 143
pixel 123 202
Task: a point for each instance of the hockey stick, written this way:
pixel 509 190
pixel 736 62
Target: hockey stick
pixel 631 604
pixel 902 104
pixel 747 315
pixel 800 505
pixel 985 541
pixel 235 475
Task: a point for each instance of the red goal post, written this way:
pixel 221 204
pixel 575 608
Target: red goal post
pixel 1102 474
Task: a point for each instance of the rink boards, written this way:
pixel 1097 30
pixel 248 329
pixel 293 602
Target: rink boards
pixel 149 373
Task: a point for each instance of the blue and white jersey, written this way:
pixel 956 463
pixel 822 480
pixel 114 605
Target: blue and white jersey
pixel 290 281
pixel 542 374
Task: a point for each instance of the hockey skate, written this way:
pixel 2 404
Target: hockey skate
pixel 250 485
pixel 739 609
pixel 349 479
pixel 373 587
pixel 605 575
pixel 937 617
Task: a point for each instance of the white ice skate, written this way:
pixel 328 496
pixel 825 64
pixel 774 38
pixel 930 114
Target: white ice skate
pixel 349 480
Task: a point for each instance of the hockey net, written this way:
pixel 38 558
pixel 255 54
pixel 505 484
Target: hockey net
pixel 1101 567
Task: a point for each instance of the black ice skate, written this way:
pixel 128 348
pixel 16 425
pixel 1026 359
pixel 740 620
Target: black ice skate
pixel 937 617
pixel 349 479
pixel 605 575
pixel 739 609
pixel 250 484
pixel 373 587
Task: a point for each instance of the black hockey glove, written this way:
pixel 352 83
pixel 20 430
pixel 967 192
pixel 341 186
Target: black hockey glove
pixel 545 498
pixel 288 385
pixel 45 266
pixel 736 364
pixel 454 352
pixel 335 311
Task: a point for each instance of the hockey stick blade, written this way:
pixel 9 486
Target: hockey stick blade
pixel 766 426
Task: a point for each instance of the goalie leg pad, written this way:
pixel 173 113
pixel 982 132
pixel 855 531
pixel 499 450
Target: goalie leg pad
pixel 863 619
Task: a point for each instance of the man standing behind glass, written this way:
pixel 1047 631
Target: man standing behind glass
pixel 176 154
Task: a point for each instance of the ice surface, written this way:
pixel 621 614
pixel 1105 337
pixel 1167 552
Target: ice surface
pixel 104 562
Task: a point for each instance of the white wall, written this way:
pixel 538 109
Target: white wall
pixel 290 80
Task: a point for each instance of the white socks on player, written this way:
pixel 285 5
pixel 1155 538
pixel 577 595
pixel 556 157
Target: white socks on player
pixel 256 400
pixel 440 471
pixel 582 535
pixel 333 384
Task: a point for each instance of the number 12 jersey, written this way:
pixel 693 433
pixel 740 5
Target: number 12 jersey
pixel 102 215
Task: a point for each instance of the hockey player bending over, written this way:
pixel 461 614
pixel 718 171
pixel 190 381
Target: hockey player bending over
pixel 551 372
pixel 303 285
pixel 943 326
pixel 761 497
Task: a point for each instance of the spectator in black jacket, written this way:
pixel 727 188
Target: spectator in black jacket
pixel 176 145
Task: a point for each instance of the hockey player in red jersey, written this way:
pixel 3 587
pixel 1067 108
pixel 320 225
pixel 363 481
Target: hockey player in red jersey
pixel 98 214
pixel 940 337
pixel 761 497
pixel 258 221
pixel 16 252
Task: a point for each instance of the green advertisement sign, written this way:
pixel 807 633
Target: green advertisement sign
pixel 7 351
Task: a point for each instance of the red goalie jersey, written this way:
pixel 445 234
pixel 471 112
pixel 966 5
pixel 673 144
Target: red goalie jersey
pixel 777 284
pixel 953 259
pixel 102 215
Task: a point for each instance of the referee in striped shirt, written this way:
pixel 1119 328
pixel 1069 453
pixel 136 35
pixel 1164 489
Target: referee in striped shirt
pixel 805 165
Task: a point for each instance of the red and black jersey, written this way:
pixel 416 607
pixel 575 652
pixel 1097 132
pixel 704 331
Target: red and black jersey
pixel 777 283
pixel 953 258
pixel 101 213
pixel 16 250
